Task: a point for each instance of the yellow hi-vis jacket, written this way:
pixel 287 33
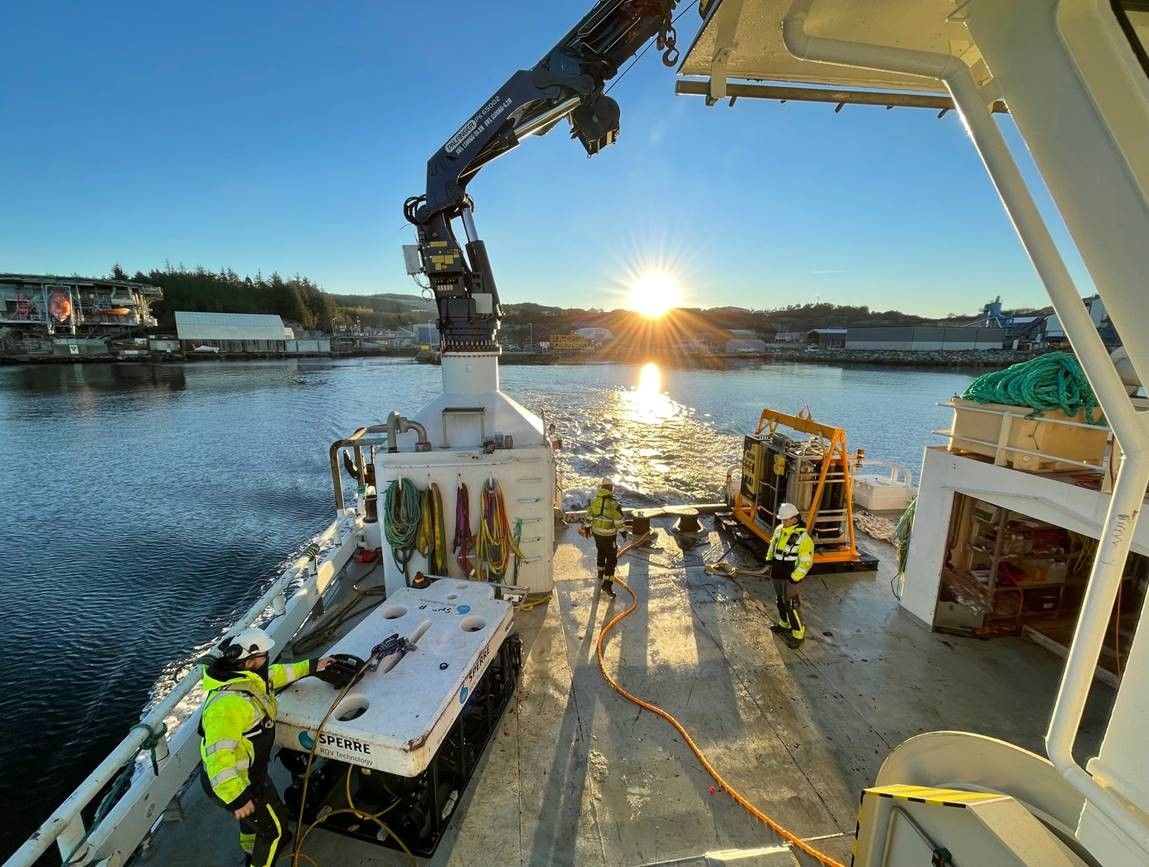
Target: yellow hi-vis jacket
pixel 792 545
pixel 238 725
pixel 604 514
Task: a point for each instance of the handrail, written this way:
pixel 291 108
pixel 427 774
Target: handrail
pixel 65 825
pixel 357 441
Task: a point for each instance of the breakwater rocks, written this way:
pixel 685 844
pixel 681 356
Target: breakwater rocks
pixel 995 358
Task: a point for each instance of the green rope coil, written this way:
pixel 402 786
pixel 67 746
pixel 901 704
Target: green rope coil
pixel 1051 381
pixel 401 513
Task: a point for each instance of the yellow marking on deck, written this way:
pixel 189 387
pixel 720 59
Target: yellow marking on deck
pixel 931 795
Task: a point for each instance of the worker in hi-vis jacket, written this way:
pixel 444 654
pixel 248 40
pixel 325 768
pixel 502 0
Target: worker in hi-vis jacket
pixel 238 730
pixel 604 520
pixel 790 557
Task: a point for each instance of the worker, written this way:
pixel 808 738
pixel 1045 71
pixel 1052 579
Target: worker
pixel 604 518
pixel 790 557
pixel 237 727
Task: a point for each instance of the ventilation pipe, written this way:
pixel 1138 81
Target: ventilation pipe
pixel 397 424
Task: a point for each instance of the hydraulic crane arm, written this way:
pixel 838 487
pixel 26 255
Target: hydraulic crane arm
pixel 566 83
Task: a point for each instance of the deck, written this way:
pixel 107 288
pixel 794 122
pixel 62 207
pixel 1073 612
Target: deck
pixel 578 775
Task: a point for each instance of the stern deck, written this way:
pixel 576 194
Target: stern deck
pixel 577 775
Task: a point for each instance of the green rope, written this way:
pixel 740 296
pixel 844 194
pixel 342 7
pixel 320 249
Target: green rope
pixel 120 784
pixel 401 513
pixel 1051 381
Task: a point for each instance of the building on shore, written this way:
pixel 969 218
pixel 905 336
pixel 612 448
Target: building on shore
pixel 923 338
pixel 826 338
pixel 43 309
pixel 252 333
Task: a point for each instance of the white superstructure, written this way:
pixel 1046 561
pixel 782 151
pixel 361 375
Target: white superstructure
pixel 1073 76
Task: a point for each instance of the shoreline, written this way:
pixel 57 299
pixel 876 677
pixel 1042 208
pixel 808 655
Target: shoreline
pixel 996 358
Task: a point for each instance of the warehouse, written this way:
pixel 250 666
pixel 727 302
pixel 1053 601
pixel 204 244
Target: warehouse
pixel 924 338
pixel 231 332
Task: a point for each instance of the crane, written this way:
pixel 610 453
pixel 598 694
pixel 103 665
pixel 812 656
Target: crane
pixel 568 82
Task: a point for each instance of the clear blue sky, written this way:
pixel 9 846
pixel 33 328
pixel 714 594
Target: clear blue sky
pixel 286 135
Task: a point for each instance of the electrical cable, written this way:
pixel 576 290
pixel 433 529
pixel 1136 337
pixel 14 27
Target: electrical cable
pixel 296 851
pixel 321 634
pixel 781 831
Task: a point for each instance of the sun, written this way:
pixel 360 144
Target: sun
pixel 654 294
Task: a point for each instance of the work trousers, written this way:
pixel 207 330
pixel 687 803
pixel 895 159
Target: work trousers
pixel 786 592
pixel 607 555
pixel 263 834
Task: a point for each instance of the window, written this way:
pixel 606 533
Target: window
pixel 1133 16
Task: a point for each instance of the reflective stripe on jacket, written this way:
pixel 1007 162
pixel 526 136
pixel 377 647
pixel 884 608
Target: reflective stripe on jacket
pixel 792 545
pixel 604 515
pixel 237 723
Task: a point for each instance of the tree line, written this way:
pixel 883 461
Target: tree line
pixel 295 299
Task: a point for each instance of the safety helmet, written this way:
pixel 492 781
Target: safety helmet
pixel 607 482
pixel 787 510
pixel 250 642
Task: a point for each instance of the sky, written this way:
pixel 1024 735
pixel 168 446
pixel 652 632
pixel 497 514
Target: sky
pixel 285 136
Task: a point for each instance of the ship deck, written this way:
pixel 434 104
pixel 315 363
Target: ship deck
pixel 577 775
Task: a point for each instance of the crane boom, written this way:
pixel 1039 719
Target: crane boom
pixel 567 83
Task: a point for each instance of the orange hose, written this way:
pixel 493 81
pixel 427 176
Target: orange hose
pixel 785 834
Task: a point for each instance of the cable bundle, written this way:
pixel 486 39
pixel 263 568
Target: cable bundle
pixel 1051 381
pixel 432 538
pixel 464 542
pixel 496 543
pixel 401 517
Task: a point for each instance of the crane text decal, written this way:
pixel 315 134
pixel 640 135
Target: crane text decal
pixel 470 131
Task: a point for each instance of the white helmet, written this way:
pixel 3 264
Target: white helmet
pixel 607 482
pixel 787 510
pixel 250 642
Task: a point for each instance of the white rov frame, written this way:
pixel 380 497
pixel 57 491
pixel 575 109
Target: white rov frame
pixel 127 824
pixel 1129 429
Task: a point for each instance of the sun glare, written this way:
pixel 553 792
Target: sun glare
pixel 654 293
pixel 650 379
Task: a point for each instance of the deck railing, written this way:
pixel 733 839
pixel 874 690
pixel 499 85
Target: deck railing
pixel 127 823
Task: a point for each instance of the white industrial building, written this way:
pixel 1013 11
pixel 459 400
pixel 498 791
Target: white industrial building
pixel 231 332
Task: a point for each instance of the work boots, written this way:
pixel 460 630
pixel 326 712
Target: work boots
pixel 608 586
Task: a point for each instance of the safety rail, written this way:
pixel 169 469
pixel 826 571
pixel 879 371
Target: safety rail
pixel 357 441
pixel 127 823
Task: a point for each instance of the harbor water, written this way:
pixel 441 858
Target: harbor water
pixel 145 506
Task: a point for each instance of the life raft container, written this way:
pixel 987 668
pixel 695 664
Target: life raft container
pixel 59 306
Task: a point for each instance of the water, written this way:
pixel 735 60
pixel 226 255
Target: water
pixel 144 507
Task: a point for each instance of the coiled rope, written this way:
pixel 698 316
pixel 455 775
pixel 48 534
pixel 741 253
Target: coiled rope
pixel 401 514
pixel 496 542
pixel 782 832
pixel 1051 381
pixel 432 538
